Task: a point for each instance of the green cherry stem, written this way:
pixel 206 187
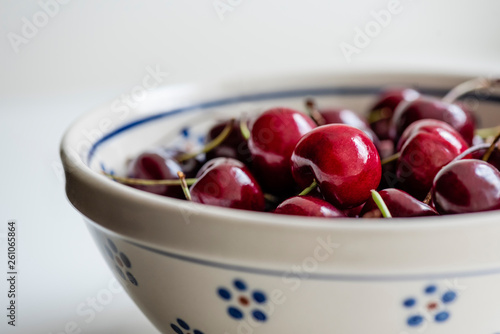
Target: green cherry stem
pixel 145 182
pixel 210 145
pixel 306 191
pixel 380 204
pixel 184 185
pixel 245 131
pixel 391 158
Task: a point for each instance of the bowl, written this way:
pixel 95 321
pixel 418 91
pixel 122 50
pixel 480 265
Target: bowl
pixel 196 269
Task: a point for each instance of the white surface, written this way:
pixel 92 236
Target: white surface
pixel 91 51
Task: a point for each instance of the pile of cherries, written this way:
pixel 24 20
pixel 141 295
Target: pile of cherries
pixel 414 155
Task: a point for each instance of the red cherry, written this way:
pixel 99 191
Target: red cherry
pixel 399 203
pixel 153 166
pixel 343 161
pixel 273 137
pixel 426 146
pixel 466 186
pixel 308 206
pixel 234 146
pixel 433 108
pixel 228 183
pixel 383 110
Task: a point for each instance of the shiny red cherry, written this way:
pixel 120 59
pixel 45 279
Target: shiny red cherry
pixel 381 113
pixel 399 203
pixel 343 161
pixel 156 166
pixel 234 146
pixel 426 146
pixel 228 183
pixel 308 206
pixel 466 186
pixel 273 137
pixel 433 108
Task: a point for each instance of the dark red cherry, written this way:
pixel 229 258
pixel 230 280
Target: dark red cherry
pixel 349 117
pixel 234 146
pixel 381 113
pixel 433 108
pixel 343 161
pixel 426 146
pixel 466 186
pixel 228 183
pixel 273 137
pixel 153 166
pixel 399 203
pixel 308 206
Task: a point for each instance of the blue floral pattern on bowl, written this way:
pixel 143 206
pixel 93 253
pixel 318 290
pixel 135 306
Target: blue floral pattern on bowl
pixel 431 306
pixel 120 262
pixel 243 301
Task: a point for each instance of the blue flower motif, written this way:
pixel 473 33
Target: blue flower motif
pixel 120 262
pixel 242 300
pixel 433 306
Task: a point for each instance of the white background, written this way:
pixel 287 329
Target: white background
pixel 91 51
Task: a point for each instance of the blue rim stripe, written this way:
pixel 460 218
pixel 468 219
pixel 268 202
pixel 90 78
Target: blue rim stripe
pixel 317 276
pixel 333 91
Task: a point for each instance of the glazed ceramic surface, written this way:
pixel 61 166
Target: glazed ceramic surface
pixel 199 269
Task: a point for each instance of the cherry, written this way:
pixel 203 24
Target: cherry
pixel 426 146
pixel 466 186
pixel 343 161
pixel 428 107
pixel 228 183
pixel 399 203
pixel 349 117
pixel 381 113
pixel 273 137
pixel 308 206
pixel 155 166
pixel 234 146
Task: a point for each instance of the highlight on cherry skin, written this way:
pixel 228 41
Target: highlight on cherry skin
pixel 412 155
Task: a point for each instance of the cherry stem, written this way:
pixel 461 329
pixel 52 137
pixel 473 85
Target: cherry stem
pixel 379 114
pixel 427 198
pixel 145 182
pixel 313 112
pixel 271 198
pixel 306 191
pixel 381 204
pixel 490 150
pixel 487 132
pixel 391 158
pixel 210 145
pixel 184 185
pixel 470 86
pixel 245 131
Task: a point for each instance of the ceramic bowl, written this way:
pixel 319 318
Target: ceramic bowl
pixel 199 269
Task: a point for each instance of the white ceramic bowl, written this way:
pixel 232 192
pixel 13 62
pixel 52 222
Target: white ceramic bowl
pixel 200 269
